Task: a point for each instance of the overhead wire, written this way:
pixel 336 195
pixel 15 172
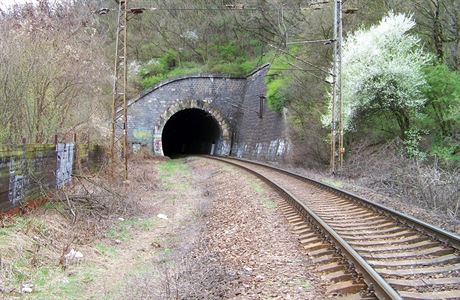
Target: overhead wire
pixel 302 60
pixel 139 9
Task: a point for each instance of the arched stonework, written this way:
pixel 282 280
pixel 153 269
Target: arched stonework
pixel 224 143
pixel 255 132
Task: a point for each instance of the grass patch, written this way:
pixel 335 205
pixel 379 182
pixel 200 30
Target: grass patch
pixel 229 168
pixel 150 81
pixel 106 250
pixel 123 229
pixel 167 251
pixel 306 285
pixel 21 269
pixel 53 283
pixel 332 182
pixel 269 203
pixel 256 186
pixel 169 66
pixel 119 233
pixel 147 224
pixel 173 166
pixel 170 170
pixel 20 224
pixel 17 223
pixel 259 189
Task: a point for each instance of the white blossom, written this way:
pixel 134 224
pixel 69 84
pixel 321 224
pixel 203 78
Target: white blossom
pixel 381 64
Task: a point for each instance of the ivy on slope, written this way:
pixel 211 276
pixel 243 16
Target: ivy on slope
pixel 278 80
pixel 226 58
pixel 227 61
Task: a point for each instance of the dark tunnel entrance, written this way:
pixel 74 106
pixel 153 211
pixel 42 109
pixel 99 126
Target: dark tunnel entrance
pixel 190 131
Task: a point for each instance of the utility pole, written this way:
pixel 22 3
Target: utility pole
pixel 119 133
pixel 337 104
pixel 339 79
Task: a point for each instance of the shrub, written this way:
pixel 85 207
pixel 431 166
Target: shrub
pixel 383 72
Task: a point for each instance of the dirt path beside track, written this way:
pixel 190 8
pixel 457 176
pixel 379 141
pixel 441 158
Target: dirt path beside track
pixel 199 230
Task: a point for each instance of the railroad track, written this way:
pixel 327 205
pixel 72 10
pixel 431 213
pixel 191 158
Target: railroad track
pixel 362 247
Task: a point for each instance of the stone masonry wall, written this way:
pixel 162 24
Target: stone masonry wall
pixel 232 101
pixel 150 111
pixel 26 170
pixel 260 138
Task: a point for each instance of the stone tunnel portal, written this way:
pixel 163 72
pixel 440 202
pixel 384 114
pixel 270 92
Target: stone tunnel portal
pixel 190 131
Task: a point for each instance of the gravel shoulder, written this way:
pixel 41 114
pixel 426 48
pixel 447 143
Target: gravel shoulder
pixel 190 229
pixel 237 245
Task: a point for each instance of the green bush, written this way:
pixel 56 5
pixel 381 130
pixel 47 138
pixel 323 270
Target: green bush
pixel 235 69
pixel 278 83
pixel 276 93
pixel 226 52
pixel 152 80
pixel 152 69
pixel 170 59
pixel 441 114
pixel 443 99
pixel 448 153
pixel 159 70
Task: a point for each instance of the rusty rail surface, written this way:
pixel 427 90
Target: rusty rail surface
pixel 397 256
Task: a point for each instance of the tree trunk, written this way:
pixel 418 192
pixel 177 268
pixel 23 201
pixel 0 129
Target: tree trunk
pixel 437 32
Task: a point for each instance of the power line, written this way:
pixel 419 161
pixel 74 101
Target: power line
pixel 120 70
pixel 302 60
pixel 242 9
pixel 325 42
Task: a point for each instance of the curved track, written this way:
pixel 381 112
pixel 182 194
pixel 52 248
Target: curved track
pixel 397 256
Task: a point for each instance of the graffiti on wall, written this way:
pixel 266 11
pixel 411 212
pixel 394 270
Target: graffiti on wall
pixel 26 170
pixel 157 145
pixel 271 151
pixel 18 182
pixel 65 154
pixel 142 135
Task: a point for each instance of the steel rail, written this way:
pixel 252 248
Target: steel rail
pixel 444 236
pixel 375 282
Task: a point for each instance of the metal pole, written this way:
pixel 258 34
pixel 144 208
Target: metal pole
pixel 119 100
pixel 115 92
pixel 334 92
pixel 125 85
pixel 339 80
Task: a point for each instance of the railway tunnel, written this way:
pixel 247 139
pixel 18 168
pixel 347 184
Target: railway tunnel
pixel 190 131
pixel 191 113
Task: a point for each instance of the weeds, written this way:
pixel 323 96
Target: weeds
pixel 122 231
pixel 106 250
pixel 332 182
pixel 259 189
pixel 423 183
pixel 170 170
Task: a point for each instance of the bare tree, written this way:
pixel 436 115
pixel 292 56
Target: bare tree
pixel 439 21
pixel 50 70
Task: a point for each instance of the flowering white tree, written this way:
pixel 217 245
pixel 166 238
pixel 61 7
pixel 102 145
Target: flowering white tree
pixel 382 72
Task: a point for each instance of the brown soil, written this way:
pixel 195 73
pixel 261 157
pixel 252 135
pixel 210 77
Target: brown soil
pixel 237 247
pixel 223 238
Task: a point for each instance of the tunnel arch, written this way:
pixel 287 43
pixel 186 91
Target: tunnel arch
pixel 222 142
